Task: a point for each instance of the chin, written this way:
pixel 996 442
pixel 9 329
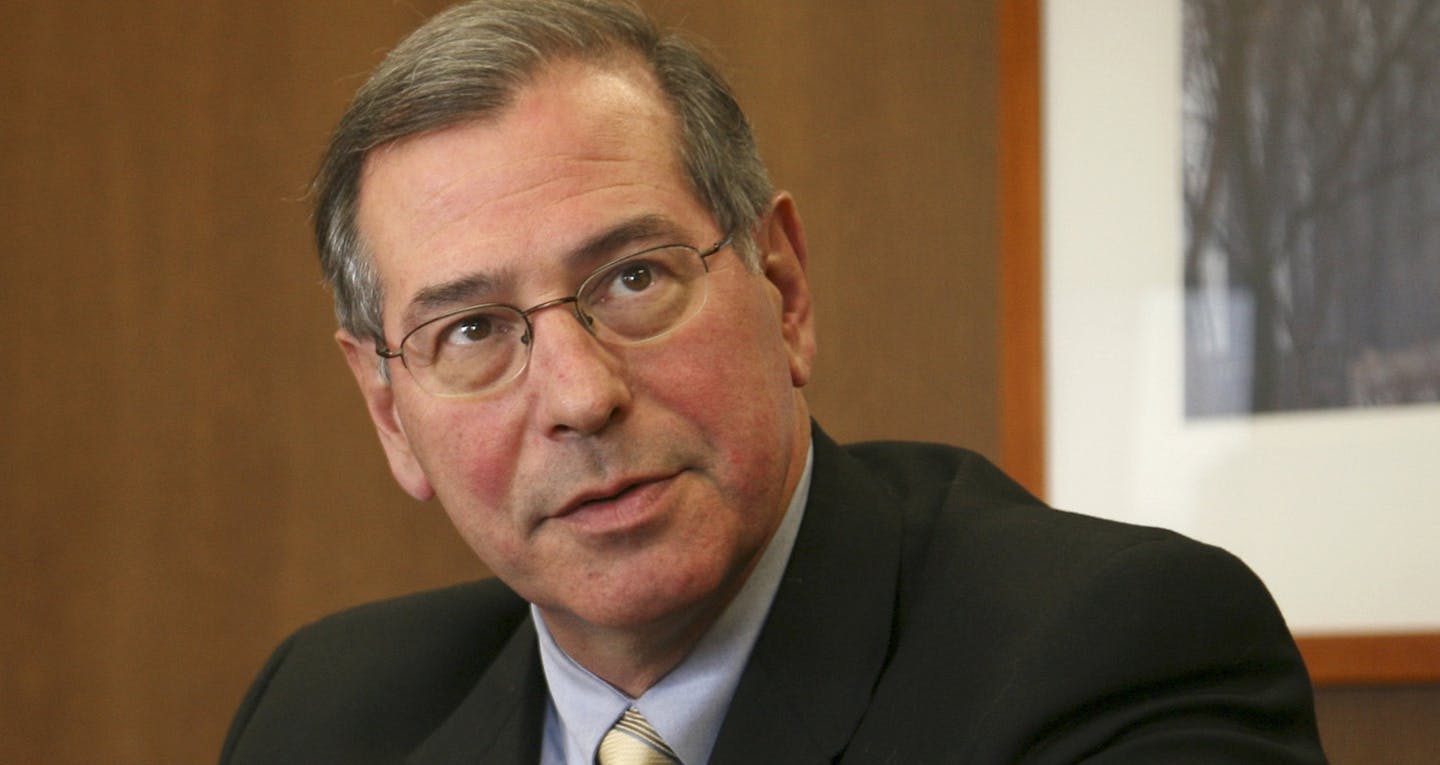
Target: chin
pixel 648 600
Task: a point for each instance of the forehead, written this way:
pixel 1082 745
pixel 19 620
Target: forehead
pixel 581 147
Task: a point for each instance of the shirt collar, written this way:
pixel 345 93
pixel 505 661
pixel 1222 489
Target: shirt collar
pixel 688 705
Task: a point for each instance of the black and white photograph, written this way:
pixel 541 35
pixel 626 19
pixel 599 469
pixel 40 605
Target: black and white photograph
pixel 1311 145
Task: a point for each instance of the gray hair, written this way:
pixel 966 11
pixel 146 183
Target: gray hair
pixel 468 62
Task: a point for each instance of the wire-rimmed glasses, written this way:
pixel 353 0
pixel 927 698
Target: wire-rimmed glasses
pixel 628 300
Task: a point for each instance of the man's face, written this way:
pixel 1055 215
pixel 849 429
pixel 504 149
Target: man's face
pixel 614 486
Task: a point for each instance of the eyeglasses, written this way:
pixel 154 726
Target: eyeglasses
pixel 627 301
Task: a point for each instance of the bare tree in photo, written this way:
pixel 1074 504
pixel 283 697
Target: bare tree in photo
pixel 1312 204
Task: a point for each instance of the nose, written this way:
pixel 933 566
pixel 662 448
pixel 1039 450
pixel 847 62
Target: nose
pixel 579 383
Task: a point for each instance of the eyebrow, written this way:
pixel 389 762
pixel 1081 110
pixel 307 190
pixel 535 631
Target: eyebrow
pixel 623 235
pixel 473 288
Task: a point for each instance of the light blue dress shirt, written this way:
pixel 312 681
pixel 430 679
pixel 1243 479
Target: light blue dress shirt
pixel 688 704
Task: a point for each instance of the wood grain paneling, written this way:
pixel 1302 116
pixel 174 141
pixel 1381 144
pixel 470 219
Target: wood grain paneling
pixel 879 117
pixel 1020 221
pixel 1379 659
pixel 1393 725
pixel 188 471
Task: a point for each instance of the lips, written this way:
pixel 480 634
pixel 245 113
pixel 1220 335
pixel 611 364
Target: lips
pixel 628 503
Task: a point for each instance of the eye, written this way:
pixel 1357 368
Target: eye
pixel 638 297
pixel 634 280
pixel 469 329
pixel 484 327
pixel 636 277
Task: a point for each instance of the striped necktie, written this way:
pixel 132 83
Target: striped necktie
pixel 633 742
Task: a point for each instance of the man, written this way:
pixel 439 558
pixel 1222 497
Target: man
pixel 579 317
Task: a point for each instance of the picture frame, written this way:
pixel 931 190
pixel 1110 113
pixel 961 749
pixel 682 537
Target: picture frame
pixel 1329 508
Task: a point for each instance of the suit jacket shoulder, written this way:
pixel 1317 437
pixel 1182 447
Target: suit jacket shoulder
pixel 371 683
pixel 1020 633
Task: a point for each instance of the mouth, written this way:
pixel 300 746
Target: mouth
pixel 623 505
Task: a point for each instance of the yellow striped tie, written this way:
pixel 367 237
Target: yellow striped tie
pixel 633 742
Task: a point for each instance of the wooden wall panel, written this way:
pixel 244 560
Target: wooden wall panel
pixel 1395 725
pixel 880 118
pixel 188 471
pixel 1019 221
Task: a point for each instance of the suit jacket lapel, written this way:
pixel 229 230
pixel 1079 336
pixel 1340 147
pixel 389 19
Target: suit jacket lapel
pixel 502 719
pixel 826 639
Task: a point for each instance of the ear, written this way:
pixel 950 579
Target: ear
pixel 380 401
pixel 781 239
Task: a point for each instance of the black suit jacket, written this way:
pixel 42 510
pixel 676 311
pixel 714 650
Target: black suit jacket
pixel 932 612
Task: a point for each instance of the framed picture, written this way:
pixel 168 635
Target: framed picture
pixel 1108 131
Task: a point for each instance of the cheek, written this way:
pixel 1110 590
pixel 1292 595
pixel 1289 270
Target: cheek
pixel 746 354
pixel 732 378
pixel 468 454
